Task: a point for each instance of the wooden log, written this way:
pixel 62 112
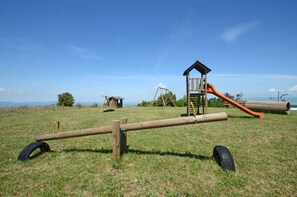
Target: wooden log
pixel 268 106
pixel 136 126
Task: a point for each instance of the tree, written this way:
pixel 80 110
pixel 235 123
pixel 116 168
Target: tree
pixel 65 99
pixel 181 102
pixel 169 99
pixel 217 102
pixel 229 95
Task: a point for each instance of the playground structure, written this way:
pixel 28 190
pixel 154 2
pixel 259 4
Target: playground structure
pixel 164 101
pixel 112 102
pixel 198 88
pixel 119 129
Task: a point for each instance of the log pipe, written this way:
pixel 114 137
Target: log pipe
pixel 282 107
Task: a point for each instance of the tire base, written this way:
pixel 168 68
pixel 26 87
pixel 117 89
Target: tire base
pixel 26 152
pixel 224 158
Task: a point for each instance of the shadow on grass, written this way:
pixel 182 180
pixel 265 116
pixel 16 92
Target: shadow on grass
pixel 37 154
pixel 168 153
pixel 186 115
pixel 105 151
pixel 242 117
pixel 229 116
pixel 141 152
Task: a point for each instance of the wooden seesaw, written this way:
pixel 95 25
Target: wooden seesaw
pixel 119 129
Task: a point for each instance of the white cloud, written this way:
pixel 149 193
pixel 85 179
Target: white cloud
pixel 231 34
pixel 83 52
pixel 4 90
pixel 294 88
pixel 161 85
pixel 10 91
pixel 272 90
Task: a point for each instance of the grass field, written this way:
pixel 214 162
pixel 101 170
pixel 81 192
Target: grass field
pixel 174 161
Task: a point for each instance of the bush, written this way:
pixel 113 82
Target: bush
pixel 94 105
pixel 182 102
pixel 215 102
pixel 169 99
pixel 65 99
pixel 79 105
pixel 144 104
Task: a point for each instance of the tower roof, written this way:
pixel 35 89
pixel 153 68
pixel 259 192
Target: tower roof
pixel 199 67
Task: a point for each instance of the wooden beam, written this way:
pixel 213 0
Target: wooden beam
pixel 136 126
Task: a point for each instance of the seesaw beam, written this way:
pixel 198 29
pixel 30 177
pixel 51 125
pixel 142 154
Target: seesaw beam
pixel 136 126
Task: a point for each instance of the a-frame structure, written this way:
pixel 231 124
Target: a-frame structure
pixel 160 91
pixel 196 89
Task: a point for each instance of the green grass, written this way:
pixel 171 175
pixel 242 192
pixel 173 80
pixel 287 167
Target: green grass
pixel 173 161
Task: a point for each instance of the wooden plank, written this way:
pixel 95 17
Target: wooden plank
pixel 202 87
pixel 192 84
pixel 197 84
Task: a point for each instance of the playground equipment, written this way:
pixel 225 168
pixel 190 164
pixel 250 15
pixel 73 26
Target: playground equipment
pixel 281 107
pixel 197 89
pixel 160 91
pixel 119 129
pixel 212 90
pixel 112 102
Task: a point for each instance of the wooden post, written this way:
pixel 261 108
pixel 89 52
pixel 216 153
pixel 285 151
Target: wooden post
pixel 198 102
pixel 123 142
pixel 116 139
pixel 188 94
pixel 205 87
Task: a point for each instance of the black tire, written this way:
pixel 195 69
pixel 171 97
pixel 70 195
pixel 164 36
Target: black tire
pixel 26 152
pixel 224 158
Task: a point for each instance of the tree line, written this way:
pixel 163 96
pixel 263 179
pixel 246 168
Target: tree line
pixel 170 100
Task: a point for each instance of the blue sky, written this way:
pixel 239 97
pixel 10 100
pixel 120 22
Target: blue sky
pixel 127 48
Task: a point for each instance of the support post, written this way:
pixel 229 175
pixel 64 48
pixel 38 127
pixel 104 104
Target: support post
pixel 205 91
pixel 116 139
pixel 123 142
pixel 188 94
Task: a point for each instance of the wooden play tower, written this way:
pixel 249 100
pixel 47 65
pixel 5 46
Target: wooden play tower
pixel 196 89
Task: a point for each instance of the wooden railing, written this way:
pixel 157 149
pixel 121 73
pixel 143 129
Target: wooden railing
pixel 197 85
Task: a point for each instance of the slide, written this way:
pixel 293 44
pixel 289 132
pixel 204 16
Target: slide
pixel 212 90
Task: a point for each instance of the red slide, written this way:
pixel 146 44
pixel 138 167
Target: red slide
pixel 212 90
